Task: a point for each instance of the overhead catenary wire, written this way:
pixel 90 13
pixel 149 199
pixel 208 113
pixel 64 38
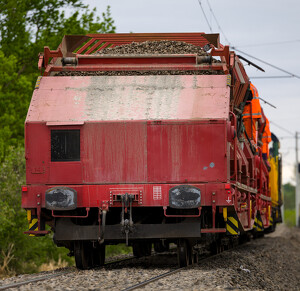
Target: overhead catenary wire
pixel 199 1
pixel 217 22
pixel 282 128
pixel 269 43
pixel 260 60
pixel 291 75
pixel 270 77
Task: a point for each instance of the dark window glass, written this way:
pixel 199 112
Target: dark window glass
pixel 65 145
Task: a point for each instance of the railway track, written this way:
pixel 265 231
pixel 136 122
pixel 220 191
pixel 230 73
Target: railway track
pixel 37 279
pixel 112 262
pixel 59 273
pixel 179 269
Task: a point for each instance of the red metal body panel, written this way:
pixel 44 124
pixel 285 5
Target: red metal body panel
pixel 96 195
pixel 133 152
pixel 186 152
pixel 76 100
pixel 115 152
pixel 143 135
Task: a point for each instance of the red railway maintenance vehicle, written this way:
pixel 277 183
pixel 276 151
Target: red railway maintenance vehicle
pixel 117 154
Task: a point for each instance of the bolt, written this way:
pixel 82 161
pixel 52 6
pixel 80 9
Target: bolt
pixel 38 203
pixel 214 201
pixel 38 195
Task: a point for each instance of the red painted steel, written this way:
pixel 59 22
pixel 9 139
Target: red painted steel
pixel 143 135
pixel 65 100
pixel 137 60
pixel 153 194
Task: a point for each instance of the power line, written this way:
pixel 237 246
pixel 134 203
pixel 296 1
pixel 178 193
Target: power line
pixel 211 11
pixel 273 66
pixel 287 137
pixel 199 1
pixel 282 128
pixel 271 77
pixel 269 43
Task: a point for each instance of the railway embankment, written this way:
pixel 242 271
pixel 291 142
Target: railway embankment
pixel 269 263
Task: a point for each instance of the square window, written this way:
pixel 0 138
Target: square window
pixel 65 145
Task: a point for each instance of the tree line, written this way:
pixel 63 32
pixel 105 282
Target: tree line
pixel 26 26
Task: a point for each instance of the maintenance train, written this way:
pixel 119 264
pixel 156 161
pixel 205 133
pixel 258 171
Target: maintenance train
pixel 147 149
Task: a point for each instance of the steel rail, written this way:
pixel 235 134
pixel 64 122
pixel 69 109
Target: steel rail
pixel 50 276
pixel 156 278
pixel 41 278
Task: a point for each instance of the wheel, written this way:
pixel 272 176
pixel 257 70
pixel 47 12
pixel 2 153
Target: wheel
pixel 83 254
pixel 137 250
pixel 141 249
pixel 99 255
pixel 196 257
pixel 214 248
pixel 184 253
pixel 147 248
pixel 258 234
pixel 161 246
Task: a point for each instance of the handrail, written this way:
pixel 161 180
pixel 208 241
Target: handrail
pixel 234 148
pixel 73 216
pixel 177 215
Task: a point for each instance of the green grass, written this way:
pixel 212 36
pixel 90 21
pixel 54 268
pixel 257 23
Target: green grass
pixel 114 250
pixel 289 217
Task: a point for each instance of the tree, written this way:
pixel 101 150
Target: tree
pixel 26 26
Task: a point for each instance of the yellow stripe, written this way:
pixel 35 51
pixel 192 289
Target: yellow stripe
pixel 228 80
pixel 230 230
pixel 37 84
pixel 233 221
pixel 32 223
pixel 29 215
pixel 225 213
pixel 259 223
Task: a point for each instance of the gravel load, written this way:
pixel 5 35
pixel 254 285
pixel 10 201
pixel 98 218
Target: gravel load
pixel 149 48
pixel 270 263
pixel 154 48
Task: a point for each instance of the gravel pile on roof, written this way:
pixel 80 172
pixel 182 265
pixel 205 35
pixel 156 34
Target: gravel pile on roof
pixel 148 47
pixel 154 47
pixel 136 73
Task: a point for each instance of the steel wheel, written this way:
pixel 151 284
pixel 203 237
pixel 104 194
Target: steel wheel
pixel 183 253
pixel 161 246
pixel 82 252
pixel 99 255
pixel 137 249
pixel 147 248
pixel 141 249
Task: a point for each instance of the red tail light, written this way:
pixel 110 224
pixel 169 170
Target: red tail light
pixel 24 188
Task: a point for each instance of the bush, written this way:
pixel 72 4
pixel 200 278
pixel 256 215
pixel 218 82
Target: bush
pixel 20 253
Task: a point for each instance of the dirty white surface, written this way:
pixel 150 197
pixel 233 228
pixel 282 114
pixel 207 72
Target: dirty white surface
pixel 112 98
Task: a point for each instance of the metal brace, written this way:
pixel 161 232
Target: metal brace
pixel 127 224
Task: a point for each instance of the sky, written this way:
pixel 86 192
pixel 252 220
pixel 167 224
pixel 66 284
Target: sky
pixel 268 30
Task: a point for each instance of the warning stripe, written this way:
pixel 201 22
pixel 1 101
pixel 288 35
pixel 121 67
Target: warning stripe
pixel 234 221
pixel 258 224
pixel 232 226
pixel 271 220
pixel 228 80
pixel 38 81
pixel 33 225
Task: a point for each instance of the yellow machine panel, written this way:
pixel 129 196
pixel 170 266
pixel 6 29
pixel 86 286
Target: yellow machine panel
pixel 273 179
